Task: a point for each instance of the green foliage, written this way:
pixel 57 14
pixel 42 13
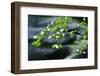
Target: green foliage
pixel 83 38
pixel 58 28
pixel 36 43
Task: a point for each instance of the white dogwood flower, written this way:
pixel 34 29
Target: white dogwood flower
pixel 63 34
pixel 42 33
pixel 49 37
pixel 34 37
pixel 61 30
pixel 84 52
pixel 48 29
pixel 56 46
pixel 77 50
pixel 52 22
pixel 57 32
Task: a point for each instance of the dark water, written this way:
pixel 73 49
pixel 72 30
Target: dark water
pixel 36 24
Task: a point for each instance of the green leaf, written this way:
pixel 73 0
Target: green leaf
pixel 84 36
pixel 84 19
pixel 72 46
pixel 36 43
